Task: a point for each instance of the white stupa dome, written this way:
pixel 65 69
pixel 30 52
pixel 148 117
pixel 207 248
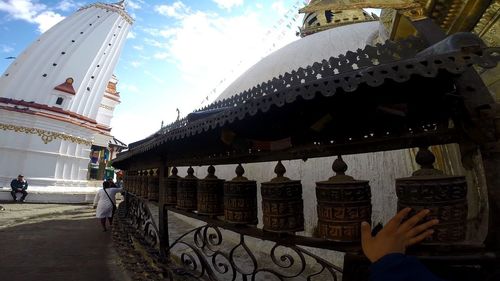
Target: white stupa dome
pixel 304 52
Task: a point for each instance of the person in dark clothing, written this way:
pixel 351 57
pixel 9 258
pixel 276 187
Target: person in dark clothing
pixel 19 185
pixel 386 250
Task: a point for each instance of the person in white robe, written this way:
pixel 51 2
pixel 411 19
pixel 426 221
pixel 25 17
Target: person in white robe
pixel 103 204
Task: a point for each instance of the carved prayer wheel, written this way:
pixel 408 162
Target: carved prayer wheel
pixel 211 194
pixel 145 184
pixel 445 196
pixel 343 203
pixel 133 185
pixel 153 185
pixel 186 191
pixel 282 204
pixel 240 199
pixel 170 189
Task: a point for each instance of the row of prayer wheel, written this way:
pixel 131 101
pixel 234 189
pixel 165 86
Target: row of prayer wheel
pixel 143 183
pixel 342 202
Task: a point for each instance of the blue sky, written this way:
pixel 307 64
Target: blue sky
pixel 178 52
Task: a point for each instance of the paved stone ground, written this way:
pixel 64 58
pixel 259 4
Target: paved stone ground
pixel 55 242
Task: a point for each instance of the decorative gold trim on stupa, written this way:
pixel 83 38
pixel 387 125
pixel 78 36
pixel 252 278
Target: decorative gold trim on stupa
pixel 321 20
pixel 46 136
pixel 321 5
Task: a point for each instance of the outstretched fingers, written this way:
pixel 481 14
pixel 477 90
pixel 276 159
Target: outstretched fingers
pixel 394 223
pixel 420 237
pixel 411 222
pixel 421 228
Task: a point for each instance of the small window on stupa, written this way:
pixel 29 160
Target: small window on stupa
pixel 6 74
pixel 109 44
pixel 88 88
pixel 90 24
pixel 59 101
pixel 92 77
pixel 63 53
pixel 98 65
pixel 72 41
pixel 44 75
pixel 81 32
pixel 54 64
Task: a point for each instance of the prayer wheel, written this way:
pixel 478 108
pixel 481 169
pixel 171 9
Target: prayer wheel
pixel 210 194
pixel 126 180
pixel 133 179
pixel 343 203
pixel 282 204
pixel 186 191
pixel 170 191
pixel 153 185
pixel 240 199
pixel 445 196
pixel 145 184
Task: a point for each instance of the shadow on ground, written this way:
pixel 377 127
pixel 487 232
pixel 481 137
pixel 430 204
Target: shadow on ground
pixel 73 248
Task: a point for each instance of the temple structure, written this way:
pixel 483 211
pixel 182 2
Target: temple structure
pixel 57 99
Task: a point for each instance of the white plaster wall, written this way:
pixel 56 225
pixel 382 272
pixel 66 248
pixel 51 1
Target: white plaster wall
pixel 104 115
pixel 45 165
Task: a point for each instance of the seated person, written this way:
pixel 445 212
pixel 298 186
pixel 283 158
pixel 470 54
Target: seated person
pixel 386 250
pixel 19 185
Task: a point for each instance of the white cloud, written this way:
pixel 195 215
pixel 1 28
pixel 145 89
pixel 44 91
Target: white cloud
pixel 156 43
pixel 279 7
pixel 158 32
pixel 135 64
pixel 131 35
pixel 161 55
pixel 134 5
pixel 177 10
pixel 47 19
pixel 31 12
pixel 67 5
pixel 228 4
pixel 5 48
pixel 138 47
pixel 210 51
pixel 128 88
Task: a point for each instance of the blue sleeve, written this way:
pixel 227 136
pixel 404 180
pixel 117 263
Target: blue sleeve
pixel 399 267
pixel 12 185
pixel 25 185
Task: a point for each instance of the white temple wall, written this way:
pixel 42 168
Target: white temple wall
pixel 55 163
pixel 112 60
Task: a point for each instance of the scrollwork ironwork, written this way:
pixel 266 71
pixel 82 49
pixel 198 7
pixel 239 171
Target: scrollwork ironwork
pixel 141 219
pixel 204 254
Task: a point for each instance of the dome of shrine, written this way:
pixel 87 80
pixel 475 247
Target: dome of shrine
pixel 304 52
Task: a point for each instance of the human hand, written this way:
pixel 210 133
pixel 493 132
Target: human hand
pixel 395 237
